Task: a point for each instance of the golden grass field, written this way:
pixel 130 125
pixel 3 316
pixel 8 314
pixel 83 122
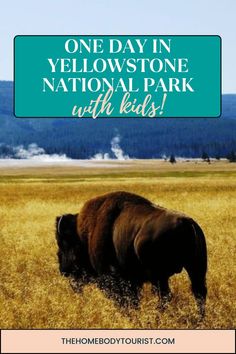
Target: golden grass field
pixel 34 295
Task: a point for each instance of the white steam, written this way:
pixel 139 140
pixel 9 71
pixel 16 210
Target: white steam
pixel 101 156
pixel 34 152
pixel 116 150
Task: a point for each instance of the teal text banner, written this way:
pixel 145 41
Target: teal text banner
pixel 117 76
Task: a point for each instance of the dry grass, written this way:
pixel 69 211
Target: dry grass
pixel 34 295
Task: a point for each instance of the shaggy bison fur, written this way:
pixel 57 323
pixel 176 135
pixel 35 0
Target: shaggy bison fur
pixel 121 240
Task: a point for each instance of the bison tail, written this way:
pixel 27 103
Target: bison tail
pixel 196 265
pixel 201 249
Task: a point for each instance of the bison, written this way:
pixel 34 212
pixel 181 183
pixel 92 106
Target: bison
pixel 122 240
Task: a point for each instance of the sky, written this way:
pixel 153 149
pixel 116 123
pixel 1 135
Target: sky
pixel 155 17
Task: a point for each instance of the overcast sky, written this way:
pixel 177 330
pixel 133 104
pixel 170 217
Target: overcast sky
pixel 119 17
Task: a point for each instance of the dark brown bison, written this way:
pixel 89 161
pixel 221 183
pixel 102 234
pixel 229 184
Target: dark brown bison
pixel 123 239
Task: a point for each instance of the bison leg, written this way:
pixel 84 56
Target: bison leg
pixel 132 295
pixel 199 290
pixel 127 294
pixel 162 288
pixel 196 265
pixel 123 292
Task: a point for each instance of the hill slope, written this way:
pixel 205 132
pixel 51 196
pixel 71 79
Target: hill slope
pixel 140 138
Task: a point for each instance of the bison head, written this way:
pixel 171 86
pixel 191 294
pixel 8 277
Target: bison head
pixel 68 244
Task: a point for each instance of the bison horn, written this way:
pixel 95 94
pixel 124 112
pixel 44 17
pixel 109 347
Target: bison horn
pixel 58 224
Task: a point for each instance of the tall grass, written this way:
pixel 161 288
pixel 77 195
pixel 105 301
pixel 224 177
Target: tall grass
pixel 34 295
